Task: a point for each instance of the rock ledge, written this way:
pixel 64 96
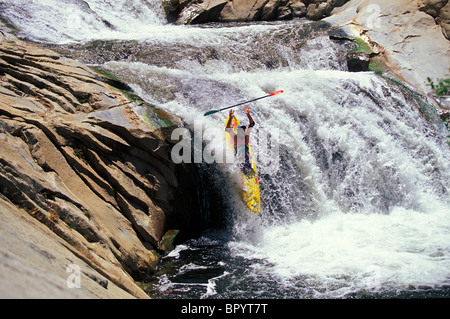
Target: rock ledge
pixel 81 168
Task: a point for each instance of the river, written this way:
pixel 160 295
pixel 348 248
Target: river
pixel 354 167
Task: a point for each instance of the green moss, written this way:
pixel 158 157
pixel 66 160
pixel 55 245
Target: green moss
pixel 105 73
pixel 9 25
pixel 147 120
pixel 153 116
pixel 375 66
pixel 361 46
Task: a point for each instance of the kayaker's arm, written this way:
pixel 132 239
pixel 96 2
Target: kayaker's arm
pixel 230 118
pixel 229 129
pixel 250 119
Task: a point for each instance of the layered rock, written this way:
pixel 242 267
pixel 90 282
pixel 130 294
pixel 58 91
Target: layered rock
pixel 78 158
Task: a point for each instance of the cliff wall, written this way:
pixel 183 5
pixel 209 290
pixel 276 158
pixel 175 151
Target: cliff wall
pixel 81 168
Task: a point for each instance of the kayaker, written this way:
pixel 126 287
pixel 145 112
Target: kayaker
pixel 241 140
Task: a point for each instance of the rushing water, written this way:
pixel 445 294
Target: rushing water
pixel 354 179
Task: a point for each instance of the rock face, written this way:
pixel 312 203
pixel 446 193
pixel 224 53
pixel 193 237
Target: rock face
pixel 76 158
pixel 440 11
pixel 200 11
pixel 406 38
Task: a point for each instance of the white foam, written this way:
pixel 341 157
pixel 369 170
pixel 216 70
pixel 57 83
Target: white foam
pixel 175 253
pixel 360 251
pixel 81 20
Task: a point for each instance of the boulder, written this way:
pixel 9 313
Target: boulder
pixel 201 11
pixel 269 10
pixel 241 10
pixel 166 243
pixel 282 10
pixel 444 20
pixel 319 9
pixel 432 7
pixel 440 11
pixel 298 8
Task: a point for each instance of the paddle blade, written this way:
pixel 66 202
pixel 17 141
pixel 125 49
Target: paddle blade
pixel 275 93
pixel 210 112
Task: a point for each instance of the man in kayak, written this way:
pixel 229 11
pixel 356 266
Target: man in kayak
pixel 241 141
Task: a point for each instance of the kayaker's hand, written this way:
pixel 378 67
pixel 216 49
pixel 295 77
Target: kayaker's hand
pixel 246 110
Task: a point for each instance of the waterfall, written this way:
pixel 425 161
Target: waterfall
pixel 361 185
pixel 354 198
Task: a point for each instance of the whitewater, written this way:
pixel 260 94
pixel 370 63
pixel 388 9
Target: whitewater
pixel 354 167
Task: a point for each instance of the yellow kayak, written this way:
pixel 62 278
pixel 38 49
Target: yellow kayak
pixel 249 181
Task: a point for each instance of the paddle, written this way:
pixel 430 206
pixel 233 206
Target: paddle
pixel 229 107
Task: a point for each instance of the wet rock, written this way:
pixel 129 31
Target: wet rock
pixel 166 243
